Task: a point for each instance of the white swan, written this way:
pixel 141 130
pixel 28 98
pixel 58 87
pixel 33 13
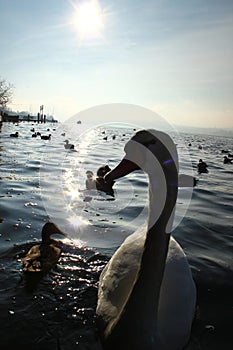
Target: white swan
pixel 147 296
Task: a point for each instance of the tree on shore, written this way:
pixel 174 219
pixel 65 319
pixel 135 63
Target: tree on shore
pixel 6 91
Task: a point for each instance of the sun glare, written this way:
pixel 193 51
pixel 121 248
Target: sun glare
pixel 88 19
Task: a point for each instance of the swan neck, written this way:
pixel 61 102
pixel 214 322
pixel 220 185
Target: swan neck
pixel 150 275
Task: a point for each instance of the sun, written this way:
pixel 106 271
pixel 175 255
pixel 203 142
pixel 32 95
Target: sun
pixel 88 19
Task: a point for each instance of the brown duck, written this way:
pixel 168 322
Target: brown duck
pixel 42 257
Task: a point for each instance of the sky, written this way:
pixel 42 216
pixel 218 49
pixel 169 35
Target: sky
pixel 174 57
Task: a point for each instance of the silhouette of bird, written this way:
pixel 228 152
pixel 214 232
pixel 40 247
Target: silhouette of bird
pixel 103 170
pixel 202 167
pixel 227 160
pixel 46 137
pixel 16 134
pixel 101 184
pixel 42 257
pixel 68 145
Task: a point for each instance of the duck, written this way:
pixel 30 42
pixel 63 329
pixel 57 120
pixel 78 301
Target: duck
pixel 90 181
pixel 202 167
pixel 146 292
pixel 227 160
pixel 101 184
pixel 68 145
pixel 34 135
pixel 46 137
pixel 42 257
pixel 103 170
pixel 16 134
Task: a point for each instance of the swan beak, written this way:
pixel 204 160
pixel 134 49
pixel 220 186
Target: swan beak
pixel 62 233
pixel 124 168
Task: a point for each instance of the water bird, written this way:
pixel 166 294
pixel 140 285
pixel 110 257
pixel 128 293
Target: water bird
pixel 101 184
pixel 227 160
pixel 42 257
pixel 90 181
pixel 146 295
pixel 16 134
pixel 202 167
pixel 68 145
pixel 34 135
pixel 103 170
pixel 46 137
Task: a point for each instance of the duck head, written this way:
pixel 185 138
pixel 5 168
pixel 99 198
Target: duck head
pixel 103 170
pixel 49 229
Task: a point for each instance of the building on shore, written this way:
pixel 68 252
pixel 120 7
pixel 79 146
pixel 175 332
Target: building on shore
pixel 15 117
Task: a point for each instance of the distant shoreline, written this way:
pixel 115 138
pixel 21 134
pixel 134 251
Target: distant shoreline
pixel 206 131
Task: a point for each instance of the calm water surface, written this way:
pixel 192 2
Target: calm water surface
pixel 40 180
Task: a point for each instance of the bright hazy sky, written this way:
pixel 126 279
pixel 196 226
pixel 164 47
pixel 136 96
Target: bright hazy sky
pixel 174 57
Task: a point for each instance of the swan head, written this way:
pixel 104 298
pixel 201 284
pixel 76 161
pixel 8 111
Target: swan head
pixel 49 229
pixel 155 153
pixel 149 150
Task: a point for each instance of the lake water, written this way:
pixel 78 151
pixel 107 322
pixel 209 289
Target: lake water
pixel 41 181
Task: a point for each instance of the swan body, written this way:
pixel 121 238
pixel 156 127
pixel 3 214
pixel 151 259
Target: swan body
pixel 177 295
pixel 146 295
pixel 42 257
